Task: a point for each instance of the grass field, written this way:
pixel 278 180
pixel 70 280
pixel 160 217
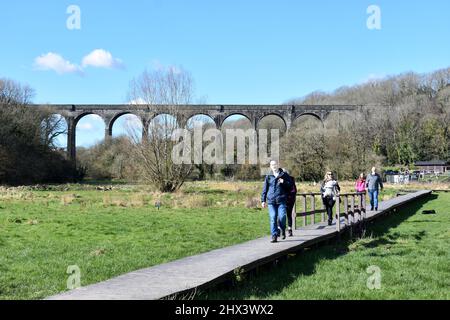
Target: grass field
pixel 106 234
pixel 412 251
pixel 110 230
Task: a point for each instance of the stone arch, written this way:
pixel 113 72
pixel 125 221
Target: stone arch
pixel 155 114
pixel 233 114
pixel 118 115
pixel 162 124
pixel 308 118
pixel 315 115
pixel 84 114
pixel 132 124
pixel 205 116
pixel 260 120
pixel 76 127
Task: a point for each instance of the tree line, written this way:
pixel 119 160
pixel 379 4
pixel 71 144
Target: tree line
pixel 406 118
pixel 27 140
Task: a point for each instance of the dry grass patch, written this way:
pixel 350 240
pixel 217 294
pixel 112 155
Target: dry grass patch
pixel 252 203
pixel 32 221
pixel 68 199
pixel 193 201
pixel 98 252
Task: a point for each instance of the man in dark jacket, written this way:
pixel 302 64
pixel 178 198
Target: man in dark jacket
pixel 277 186
pixel 373 184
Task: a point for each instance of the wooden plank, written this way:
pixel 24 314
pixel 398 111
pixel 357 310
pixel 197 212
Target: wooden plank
pixel 308 213
pixel 198 271
pixel 309 193
pixel 207 269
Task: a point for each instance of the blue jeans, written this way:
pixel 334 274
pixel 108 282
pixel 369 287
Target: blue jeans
pixel 373 195
pixel 277 212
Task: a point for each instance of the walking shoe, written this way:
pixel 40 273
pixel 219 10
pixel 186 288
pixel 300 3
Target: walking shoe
pixel 376 208
pixel 330 222
pixel 290 232
pixel 283 234
pixel 371 208
pixel 278 231
pixel 274 239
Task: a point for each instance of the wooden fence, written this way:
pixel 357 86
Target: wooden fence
pixel 351 205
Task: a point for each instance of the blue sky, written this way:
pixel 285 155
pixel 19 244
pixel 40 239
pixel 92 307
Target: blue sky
pixel 239 52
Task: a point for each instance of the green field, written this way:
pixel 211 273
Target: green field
pixel 110 231
pixel 108 234
pixel 411 249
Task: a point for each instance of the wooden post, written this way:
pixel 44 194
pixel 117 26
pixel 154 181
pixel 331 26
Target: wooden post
pixel 313 209
pixel 353 216
pixel 304 210
pixel 363 209
pixel 358 213
pixel 294 216
pixel 353 209
pixel 338 214
pixel 346 208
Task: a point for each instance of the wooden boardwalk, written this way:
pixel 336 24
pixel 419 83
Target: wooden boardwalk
pixel 173 279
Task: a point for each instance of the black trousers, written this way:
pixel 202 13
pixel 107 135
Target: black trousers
pixel 289 208
pixel 329 204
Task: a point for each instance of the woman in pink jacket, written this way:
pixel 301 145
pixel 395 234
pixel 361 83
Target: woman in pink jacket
pixel 360 185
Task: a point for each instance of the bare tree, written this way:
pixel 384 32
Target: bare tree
pixel 23 156
pixel 17 120
pixel 52 126
pixel 413 124
pixel 165 89
pixel 14 93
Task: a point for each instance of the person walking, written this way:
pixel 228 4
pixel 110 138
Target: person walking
pixel 290 203
pixel 276 188
pixel 360 185
pixel 330 190
pixel 374 183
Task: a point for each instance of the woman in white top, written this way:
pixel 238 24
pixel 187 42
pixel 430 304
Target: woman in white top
pixel 330 190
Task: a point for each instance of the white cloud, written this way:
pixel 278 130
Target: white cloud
pixel 100 58
pixel 55 62
pixel 85 126
pixel 91 122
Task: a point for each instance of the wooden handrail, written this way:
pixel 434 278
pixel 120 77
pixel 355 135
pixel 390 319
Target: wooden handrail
pixel 351 207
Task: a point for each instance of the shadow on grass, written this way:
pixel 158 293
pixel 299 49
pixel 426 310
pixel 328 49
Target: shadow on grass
pixel 272 278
